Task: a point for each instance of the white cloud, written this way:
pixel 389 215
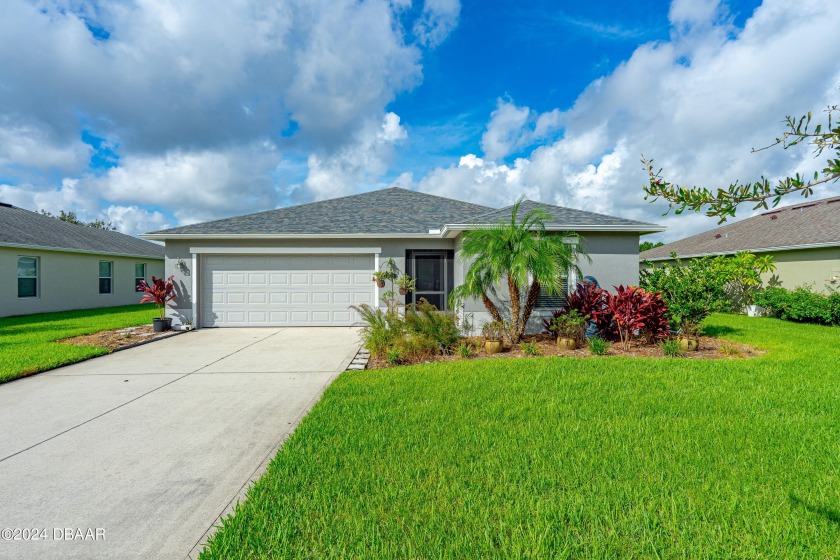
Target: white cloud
pixel 511 128
pixel 361 163
pixel 196 93
pixel 438 19
pixel 697 104
pixel 134 220
pixel 197 185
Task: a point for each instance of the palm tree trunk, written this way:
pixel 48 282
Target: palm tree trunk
pixel 491 307
pixel 530 302
pixel 514 309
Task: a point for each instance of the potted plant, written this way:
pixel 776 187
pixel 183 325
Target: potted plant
pixel 689 337
pixel 379 278
pixel 406 284
pixel 569 328
pixel 494 334
pixel 159 292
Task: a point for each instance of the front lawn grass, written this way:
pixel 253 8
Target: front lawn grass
pixel 27 342
pixel 564 458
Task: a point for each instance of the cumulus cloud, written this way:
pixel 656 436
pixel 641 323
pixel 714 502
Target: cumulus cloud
pixel 201 94
pixel 697 103
pixel 358 164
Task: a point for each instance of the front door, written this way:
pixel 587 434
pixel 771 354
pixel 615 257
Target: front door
pixel 429 270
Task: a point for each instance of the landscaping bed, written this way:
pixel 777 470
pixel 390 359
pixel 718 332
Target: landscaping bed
pixel 118 339
pixel 711 348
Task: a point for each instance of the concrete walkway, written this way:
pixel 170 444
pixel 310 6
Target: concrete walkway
pixel 141 451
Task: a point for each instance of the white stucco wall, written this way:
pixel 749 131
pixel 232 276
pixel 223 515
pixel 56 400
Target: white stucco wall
pixel 69 281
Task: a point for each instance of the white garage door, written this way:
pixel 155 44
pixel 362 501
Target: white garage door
pixel 280 290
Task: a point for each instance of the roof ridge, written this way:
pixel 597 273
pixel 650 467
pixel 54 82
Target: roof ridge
pixel 804 204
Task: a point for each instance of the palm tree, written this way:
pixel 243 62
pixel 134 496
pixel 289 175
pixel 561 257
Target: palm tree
pixel 523 255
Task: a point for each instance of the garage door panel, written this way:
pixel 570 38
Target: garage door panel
pixel 278 290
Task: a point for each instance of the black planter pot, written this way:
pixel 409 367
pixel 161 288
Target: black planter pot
pixel 162 325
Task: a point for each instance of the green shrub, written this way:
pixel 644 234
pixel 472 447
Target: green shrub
pixel 802 305
pixel 598 346
pixel 381 329
pixel 437 326
pixel 530 349
pixel 421 332
pixel 465 350
pixel 671 347
pixel 393 356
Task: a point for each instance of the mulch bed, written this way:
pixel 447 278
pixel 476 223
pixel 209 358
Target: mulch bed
pixel 119 338
pixel 710 349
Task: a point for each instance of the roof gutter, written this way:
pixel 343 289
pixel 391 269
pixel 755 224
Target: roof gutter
pixel 454 229
pixel 165 236
pixel 79 251
pixel 757 250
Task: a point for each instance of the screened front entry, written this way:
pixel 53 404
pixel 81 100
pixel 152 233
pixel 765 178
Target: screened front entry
pixel 433 272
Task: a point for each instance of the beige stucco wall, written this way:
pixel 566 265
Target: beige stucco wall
pixel 69 281
pixel 806 266
pixel 814 267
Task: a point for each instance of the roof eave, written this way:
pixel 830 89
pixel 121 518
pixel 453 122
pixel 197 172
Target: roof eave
pixel 79 251
pixel 185 236
pixel 755 250
pixel 451 230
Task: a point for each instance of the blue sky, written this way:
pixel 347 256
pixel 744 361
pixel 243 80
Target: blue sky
pixel 154 115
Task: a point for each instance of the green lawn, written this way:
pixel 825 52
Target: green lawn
pixel 564 458
pixel 27 342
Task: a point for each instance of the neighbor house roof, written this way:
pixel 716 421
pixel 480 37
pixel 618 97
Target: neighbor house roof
pixel 26 229
pixel 811 224
pixel 393 211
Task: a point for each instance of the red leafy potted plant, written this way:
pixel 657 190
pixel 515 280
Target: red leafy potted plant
pixel 160 292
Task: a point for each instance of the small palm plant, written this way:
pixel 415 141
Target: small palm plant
pixel 522 254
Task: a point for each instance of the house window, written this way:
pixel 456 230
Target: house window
pixel 106 276
pixel 27 273
pixel 557 301
pixel 139 274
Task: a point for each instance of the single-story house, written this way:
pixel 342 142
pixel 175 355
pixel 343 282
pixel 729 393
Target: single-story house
pixel 307 264
pixel 50 265
pixel 803 239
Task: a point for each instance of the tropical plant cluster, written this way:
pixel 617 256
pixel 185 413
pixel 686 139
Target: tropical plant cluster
pixel 422 331
pixel 630 314
pixel 802 305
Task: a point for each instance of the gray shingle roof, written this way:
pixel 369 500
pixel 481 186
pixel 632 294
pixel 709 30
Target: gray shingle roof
pixel 809 223
pixel 559 215
pixel 22 227
pixel 387 211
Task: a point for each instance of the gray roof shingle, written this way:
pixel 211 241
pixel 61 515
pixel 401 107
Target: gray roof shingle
pixel 22 227
pixel 559 215
pixel 809 223
pixel 387 211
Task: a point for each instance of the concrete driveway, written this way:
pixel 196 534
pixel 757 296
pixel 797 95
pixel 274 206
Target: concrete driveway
pixel 140 452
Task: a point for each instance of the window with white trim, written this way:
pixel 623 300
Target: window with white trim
pixel 106 277
pixel 27 277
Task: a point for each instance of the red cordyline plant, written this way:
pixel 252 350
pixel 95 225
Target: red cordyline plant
pixel 637 313
pixel 160 292
pixel 591 302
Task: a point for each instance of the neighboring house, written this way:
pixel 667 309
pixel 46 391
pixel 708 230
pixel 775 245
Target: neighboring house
pixel 804 241
pixel 305 265
pixel 50 265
